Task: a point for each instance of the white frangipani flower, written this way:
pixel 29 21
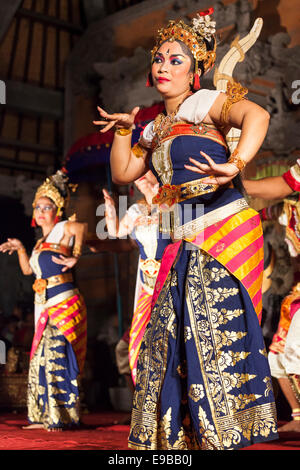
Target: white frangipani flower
pixel 204 25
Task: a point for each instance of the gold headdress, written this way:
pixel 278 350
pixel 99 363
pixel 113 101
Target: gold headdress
pixel 195 37
pixel 56 188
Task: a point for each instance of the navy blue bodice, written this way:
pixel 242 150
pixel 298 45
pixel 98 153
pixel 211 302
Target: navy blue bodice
pixel 49 268
pixel 173 152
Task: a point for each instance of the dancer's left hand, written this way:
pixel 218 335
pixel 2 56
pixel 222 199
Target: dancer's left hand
pixel 67 262
pixel 219 173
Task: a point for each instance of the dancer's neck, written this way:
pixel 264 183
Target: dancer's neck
pixel 46 229
pixel 173 103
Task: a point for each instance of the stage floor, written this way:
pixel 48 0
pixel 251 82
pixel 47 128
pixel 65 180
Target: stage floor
pixel 100 431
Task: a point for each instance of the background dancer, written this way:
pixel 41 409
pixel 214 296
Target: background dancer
pixel 284 351
pixel 142 226
pixel 59 344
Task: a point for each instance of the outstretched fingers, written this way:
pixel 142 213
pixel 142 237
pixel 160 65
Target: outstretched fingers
pixel 107 116
pixel 108 120
pixel 108 125
pixel 135 111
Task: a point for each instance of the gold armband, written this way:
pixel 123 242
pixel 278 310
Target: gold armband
pixel 123 131
pixel 237 160
pixel 77 250
pixel 235 92
pixel 138 150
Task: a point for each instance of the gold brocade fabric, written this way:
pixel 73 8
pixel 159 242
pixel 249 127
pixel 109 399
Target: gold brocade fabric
pixel 203 379
pixel 53 389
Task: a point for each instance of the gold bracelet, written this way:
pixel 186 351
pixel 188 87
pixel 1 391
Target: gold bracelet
pixel 21 250
pixel 123 131
pixel 77 250
pixel 237 160
pixel 138 150
pixel 296 414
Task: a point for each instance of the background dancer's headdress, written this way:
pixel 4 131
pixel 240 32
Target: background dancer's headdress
pixel 56 188
pixel 196 37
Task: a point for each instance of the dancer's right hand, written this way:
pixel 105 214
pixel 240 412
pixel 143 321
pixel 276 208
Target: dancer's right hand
pixel 11 245
pixel 116 119
pixel 110 208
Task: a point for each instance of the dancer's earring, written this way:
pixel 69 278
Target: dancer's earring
pixel 58 216
pixel 196 78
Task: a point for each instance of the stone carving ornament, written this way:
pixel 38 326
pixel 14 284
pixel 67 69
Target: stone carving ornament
pixel 271 60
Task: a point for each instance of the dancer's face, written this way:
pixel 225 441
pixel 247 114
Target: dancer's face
pixel 44 211
pixel 171 70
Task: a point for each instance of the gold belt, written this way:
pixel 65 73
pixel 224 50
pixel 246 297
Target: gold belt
pixel 171 194
pixel 40 285
pixel 150 268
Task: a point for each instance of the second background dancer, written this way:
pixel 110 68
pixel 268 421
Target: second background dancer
pixel 141 224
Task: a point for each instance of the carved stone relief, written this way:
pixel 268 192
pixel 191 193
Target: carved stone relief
pixel 271 60
pixel 224 15
pixel 123 82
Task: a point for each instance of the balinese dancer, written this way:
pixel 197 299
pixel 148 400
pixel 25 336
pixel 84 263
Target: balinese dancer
pixel 59 344
pixel 284 351
pixel 203 378
pixel 142 225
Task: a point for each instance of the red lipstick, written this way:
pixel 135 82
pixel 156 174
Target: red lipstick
pixel 162 79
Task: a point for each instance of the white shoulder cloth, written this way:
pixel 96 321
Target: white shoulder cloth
pixel 193 109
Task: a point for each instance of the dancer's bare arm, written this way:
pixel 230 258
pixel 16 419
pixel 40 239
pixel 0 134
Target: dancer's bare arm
pixel 12 245
pixel 273 187
pixel 253 121
pixel 115 227
pixel 125 166
pixel 78 230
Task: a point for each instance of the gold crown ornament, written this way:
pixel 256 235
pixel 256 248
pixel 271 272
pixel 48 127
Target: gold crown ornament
pixel 193 36
pixel 56 188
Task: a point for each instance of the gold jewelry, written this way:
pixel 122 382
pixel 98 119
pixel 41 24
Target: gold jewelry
pixel 296 414
pixel 237 160
pixel 77 250
pixel 193 36
pixel 52 188
pixel 21 250
pixel 138 150
pixel 162 124
pixel 123 131
pixel 172 194
pixel 40 284
pixel 235 92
